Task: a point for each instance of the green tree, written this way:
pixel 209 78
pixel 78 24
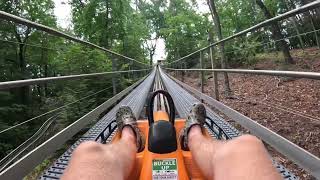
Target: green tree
pixel 184 30
pixel 223 60
pixel 153 12
pixel 108 23
pixel 276 32
pixel 18 61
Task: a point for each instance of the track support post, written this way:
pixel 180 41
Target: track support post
pixel 216 85
pixel 114 83
pixel 214 77
pixel 182 72
pixel 201 72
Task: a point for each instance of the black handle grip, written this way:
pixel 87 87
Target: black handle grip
pixel 151 105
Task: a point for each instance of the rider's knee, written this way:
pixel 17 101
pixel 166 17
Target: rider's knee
pixel 87 148
pixel 248 143
pixel 245 144
pixel 249 140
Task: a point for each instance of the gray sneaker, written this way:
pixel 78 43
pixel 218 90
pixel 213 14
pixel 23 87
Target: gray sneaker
pixel 197 116
pixel 125 117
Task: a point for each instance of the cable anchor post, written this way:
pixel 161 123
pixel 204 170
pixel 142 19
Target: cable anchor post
pixel 201 72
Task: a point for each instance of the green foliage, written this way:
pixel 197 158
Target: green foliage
pixel 236 15
pixel 19 61
pixel 39 169
pixel 54 56
pixel 243 52
pixel 112 24
pixel 184 30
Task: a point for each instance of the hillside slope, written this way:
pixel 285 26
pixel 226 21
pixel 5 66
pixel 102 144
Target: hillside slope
pixel 288 106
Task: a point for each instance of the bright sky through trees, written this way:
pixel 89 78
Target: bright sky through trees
pixel 63 13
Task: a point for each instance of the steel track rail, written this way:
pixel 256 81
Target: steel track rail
pixel 184 101
pixel 160 102
pixel 23 166
pixel 135 100
pixel 303 158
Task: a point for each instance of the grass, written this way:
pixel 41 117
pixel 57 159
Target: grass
pixel 39 169
pixel 276 57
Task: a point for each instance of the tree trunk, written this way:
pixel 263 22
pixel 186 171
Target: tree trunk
pixel 107 45
pixel 151 59
pixel 137 4
pixel 315 13
pixel 114 81
pixel 314 29
pixel 106 37
pixel 215 89
pixel 23 91
pixel 290 5
pixel 223 59
pixel 46 84
pixel 277 35
pixel 44 56
pixel 295 26
pixel 44 62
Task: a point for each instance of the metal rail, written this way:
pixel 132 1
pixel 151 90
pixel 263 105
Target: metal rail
pixel 303 158
pixel 215 127
pixel 184 102
pixel 26 82
pixel 160 102
pixel 294 74
pixel 23 166
pixel 107 132
pixel 291 13
pixel 30 45
pixel 19 20
pixel 105 125
pixel 18 152
pixel 52 111
pixel 212 127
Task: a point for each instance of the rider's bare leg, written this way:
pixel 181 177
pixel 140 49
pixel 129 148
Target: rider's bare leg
pixel 92 160
pixel 241 158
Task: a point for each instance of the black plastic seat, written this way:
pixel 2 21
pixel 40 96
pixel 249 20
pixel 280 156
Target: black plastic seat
pixel 162 137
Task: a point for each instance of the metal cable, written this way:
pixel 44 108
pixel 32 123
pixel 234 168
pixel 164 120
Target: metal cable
pixel 32 45
pixel 49 30
pixel 26 82
pixel 133 96
pixel 303 158
pixel 294 74
pixel 54 110
pixel 262 44
pixel 286 109
pixel 15 153
pixel 39 46
pixel 293 12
